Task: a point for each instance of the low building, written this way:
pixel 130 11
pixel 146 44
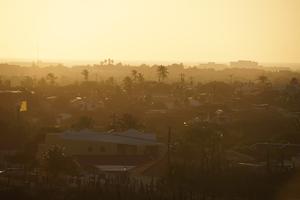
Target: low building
pixel 244 64
pixel 106 150
pixel 87 142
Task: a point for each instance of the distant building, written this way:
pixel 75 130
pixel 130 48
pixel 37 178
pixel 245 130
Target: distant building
pixel 212 65
pixel 244 64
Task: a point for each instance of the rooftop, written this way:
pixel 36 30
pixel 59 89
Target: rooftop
pixel 130 137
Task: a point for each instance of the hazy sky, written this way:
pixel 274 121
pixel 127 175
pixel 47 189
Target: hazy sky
pixel 151 30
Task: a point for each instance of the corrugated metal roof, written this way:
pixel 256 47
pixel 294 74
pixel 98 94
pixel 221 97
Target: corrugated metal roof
pixel 114 168
pixel 130 137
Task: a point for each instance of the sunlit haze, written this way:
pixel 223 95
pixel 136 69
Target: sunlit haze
pixel 148 30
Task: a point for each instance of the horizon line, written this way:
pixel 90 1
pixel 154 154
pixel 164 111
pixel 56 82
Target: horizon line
pixel 135 61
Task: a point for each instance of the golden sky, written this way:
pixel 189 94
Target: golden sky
pixel 151 30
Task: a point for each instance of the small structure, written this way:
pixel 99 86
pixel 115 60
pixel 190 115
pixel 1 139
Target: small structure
pixel 86 104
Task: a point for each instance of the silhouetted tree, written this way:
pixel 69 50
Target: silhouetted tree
pixel 162 72
pixel 128 121
pixel 83 123
pixel 42 82
pixel 182 78
pixel 140 78
pixel 28 82
pixel 127 84
pixel 134 74
pixel 294 81
pixel 85 74
pixel 55 162
pixel 191 81
pixel 51 78
pixel 263 79
pixel 110 80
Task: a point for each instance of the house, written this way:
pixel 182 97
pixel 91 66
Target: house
pixel 193 102
pixel 108 151
pixel 62 117
pixel 86 104
pixel 10 100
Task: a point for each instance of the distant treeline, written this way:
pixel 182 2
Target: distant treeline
pixel 238 71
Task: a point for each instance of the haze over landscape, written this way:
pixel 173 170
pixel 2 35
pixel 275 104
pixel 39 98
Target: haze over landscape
pixel 150 99
pixel 134 30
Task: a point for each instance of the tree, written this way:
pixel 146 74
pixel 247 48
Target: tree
pixel 55 162
pixel 127 84
pixel 191 81
pixel 292 90
pixel 263 79
pixel 294 82
pixel 85 74
pixel 199 152
pixel 28 82
pixel 182 78
pixel 134 74
pixel 264 82
pixel 128 121
pixel 162 72
pixel 109 61
pixel 51 78
pixel 42 82
pixel 110 80
pixel 140 78
pixel 83 123
pixel 124 122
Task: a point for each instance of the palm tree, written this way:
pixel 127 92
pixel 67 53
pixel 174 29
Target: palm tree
pixel 140 77
pixel 51 78
pixel 127 84
pixel 230 77
pixel 110 61
pixel 134 74
pixel 162 72
pixel 182 78
pixel 85 74
pixel 191 81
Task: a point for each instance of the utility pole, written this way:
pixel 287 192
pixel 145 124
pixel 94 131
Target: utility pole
pixel 268 160
pixel 114 121
pixel 169 148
